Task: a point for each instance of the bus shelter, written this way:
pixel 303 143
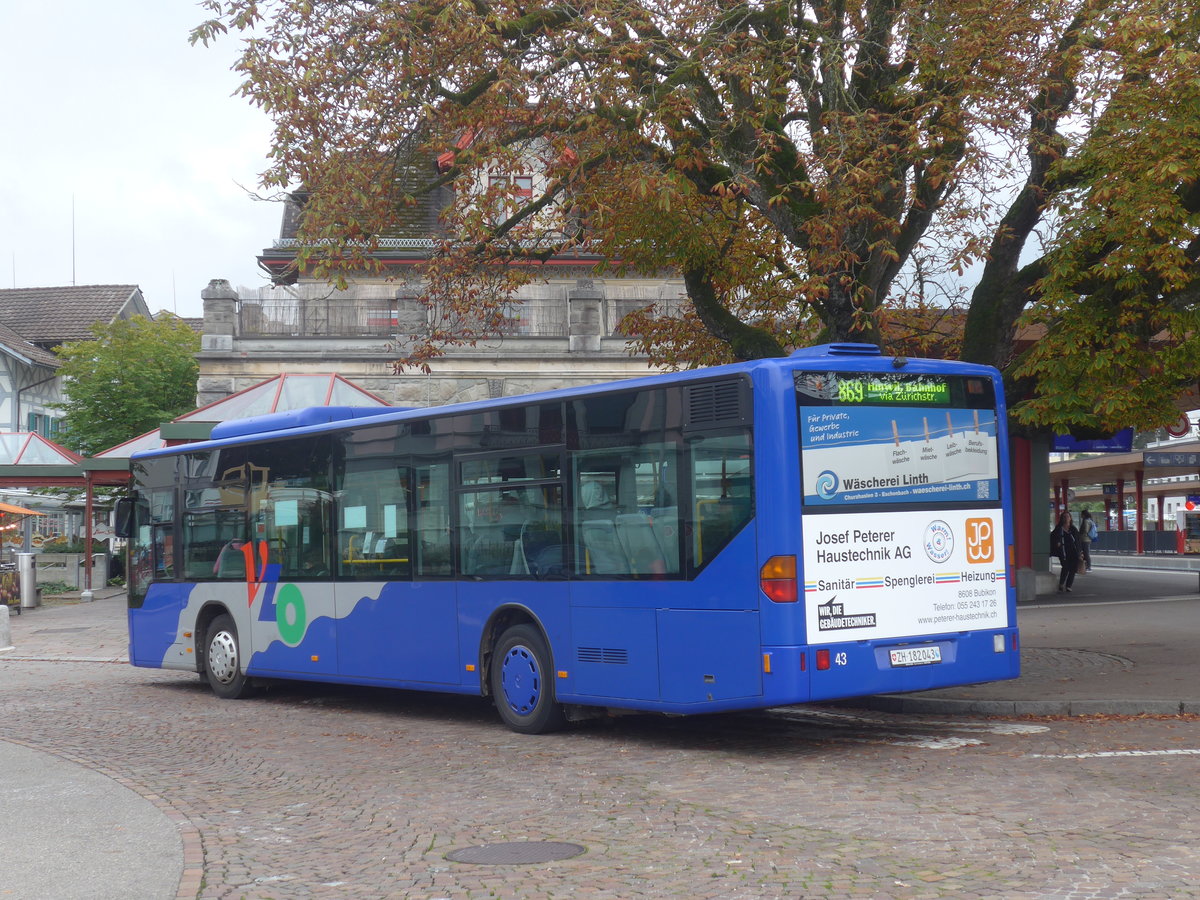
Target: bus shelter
pixel 1107 479
pixel 29 460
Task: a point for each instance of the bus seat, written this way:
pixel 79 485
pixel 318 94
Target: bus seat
pixel 541 550
pixel 550 561
pixel 594 495
pixel 636 534
pixel 490 554
pixel 231 563
pixel 604 555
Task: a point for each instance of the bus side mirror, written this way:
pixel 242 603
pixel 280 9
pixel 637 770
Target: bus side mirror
pixel 123 518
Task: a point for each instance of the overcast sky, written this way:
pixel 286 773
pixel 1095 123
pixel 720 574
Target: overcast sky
pixel 107 109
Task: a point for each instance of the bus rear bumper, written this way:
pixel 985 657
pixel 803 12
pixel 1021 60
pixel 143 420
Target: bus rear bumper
pixel 917 664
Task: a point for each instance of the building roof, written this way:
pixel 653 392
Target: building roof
pixel 50 315
pixel 14 344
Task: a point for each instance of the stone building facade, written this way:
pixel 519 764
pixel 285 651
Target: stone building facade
pixel 564 332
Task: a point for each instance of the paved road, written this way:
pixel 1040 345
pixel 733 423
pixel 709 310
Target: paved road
pixel 326 792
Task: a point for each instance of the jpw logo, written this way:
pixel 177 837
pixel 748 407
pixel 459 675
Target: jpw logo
pixel 981 544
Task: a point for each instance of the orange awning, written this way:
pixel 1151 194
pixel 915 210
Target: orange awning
pixel 18 510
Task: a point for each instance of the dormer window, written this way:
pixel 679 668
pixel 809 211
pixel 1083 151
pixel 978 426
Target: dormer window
pixel 509 193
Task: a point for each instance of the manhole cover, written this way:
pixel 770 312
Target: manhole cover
pixel 515 853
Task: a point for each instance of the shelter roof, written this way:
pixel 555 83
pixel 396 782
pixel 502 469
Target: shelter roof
pixel 25 457
pixel 282 393
pixel 1167 462
pixel 27 448
pixel 279 394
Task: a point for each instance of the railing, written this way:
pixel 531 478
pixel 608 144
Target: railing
pixel 617 309
pixel 539 317
pixel 382 243
pixel 1126 542
pixel 348 316
pixel 325 317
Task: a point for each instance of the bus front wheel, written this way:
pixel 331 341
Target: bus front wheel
pixel 523 683
pixel 223 660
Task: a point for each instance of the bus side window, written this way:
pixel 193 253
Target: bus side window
pixel 372 520
pixel 213 541
pixel 431 519
pixel 624 520
pixel 164 552
pixel 722 492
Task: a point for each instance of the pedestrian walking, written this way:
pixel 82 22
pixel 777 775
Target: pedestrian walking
pixel 1064 543
pixel 1087 534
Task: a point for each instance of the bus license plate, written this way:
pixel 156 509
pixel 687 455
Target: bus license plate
pixel 916 656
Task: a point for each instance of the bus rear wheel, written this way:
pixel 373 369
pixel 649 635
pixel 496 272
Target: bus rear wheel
pixel 223 660
pixel 523 683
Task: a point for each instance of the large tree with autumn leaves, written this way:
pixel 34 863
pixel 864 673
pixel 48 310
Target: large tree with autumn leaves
pixel 831 169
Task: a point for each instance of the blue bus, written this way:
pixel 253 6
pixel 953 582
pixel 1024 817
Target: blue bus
pixel 832 524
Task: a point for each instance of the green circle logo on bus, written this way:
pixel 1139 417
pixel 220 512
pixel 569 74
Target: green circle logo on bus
pixel 290 615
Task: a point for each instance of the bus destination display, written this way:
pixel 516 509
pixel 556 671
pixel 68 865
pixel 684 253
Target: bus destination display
pixel 907 391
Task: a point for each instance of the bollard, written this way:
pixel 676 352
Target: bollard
pixel 5 628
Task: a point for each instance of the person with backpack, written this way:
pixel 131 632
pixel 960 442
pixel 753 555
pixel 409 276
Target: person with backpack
pixel 1064 543
pixel 1087 534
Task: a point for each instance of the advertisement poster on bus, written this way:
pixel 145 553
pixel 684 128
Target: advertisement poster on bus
pixel 855 455
pixel 902 573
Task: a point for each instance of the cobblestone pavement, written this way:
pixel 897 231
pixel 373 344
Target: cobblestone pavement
pixel 324 792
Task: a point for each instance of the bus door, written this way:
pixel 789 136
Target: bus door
pixel 511 543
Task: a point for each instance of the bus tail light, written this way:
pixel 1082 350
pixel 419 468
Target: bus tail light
pixel 777 578
pixel 822 660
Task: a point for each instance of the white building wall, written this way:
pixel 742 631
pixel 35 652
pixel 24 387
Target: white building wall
pixel 26 389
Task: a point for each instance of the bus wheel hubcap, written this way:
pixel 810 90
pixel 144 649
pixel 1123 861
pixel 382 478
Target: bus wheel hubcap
pixel 222 657
pixel 522 683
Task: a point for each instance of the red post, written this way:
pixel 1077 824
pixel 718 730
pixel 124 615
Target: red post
pixel 1138 518
pixel 87 534
pixel 1022 502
